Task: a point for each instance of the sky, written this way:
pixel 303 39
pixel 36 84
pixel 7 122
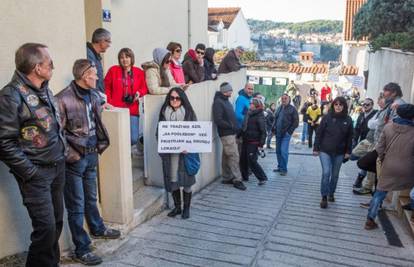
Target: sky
pixel 286 10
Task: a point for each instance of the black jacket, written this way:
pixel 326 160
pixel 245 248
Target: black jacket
pixel 361 128
pixel 334 135
pixel 254 129
pixel 304 109
pixel 193 71
pixel 230 63
pixel 290 120
pixel 224 116
pixel 209 66
pixel 270 119
pixel 30 130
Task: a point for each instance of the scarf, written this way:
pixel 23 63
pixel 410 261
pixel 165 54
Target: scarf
pixel 174 115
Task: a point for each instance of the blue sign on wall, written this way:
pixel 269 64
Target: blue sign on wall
pixel 106 15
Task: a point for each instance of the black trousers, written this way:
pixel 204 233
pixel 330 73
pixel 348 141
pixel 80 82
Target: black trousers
pixel 248 159
pixel 43 197
pixel 311 130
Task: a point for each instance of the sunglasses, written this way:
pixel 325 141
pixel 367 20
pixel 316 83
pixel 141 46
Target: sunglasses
pixel 200 52
pixel 178 50
pixel 366 105
pixel 338 104
pixel 175 98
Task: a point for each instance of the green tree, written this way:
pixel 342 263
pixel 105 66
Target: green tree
pixel 386 23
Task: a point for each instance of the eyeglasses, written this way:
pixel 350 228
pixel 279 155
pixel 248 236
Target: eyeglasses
pixel 175 98
pixel 178 50
pixel 200 52
pixel 91 65
pixel 338 104
pixel 366 104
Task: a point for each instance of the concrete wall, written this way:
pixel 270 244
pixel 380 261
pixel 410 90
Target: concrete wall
pixel 144 25
pixel 201 96
pixel 390 65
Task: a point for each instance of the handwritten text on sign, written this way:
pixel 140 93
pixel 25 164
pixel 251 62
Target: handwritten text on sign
pixel 191 136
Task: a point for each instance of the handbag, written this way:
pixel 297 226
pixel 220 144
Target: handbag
pixel 192 163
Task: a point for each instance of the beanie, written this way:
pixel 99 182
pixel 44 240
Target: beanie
pixel 225 87
pixel 406 111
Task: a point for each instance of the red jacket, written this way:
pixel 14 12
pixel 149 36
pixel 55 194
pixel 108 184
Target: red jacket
pixel 116 87
pixel 324 93
pixel 177 72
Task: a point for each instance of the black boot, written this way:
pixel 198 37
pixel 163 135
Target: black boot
pixel 177 203
pixel 187 203
pixel 358 181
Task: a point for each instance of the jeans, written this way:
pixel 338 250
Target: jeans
pixel 270 134
pixel 375 203
pixel 331 165
pixel 282 152
pixel 248 158
pixel 304 132
pixel 134 124
pixel 412 198
pixel 80 200
pixel 43 197
pixel 311 130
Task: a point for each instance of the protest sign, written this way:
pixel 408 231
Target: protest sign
pixel 191 136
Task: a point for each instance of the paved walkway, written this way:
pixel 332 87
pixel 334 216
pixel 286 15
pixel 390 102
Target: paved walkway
pixel 278 224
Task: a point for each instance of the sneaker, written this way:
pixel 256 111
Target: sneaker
pixel 239 185
pixel 276 170
pixel 331 198
pixel 262 182
pixel 361 191
pixel 324 203
pixel 88 259
pixel 227 181
pixel 370 224
pixel 109 233
pixel 283 173
pixel 365 205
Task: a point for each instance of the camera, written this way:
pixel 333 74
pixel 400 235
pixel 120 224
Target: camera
pixel 129 99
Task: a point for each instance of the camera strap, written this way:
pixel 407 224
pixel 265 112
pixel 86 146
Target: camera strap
pixel 128 89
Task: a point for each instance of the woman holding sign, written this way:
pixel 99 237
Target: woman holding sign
pixel 177 107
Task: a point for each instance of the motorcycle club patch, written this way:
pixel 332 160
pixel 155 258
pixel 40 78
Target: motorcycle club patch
pixel 29 132
pixel 33 100
pixel 24 90
pixel 45 119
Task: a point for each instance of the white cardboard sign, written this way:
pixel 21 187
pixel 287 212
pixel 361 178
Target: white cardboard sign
pixel 191 136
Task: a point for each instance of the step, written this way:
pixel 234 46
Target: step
pixel 405 214
pixel 138 178
pixel 148 202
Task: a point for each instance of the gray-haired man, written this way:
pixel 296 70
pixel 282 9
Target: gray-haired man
pixel 101 41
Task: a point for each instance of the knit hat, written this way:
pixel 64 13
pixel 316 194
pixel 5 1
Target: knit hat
pixel 225 87
pixel 406 111
pixel 159 54
pixel 257 102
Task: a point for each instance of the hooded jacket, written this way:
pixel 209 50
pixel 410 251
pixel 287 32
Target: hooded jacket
pixel 254 129
pixel 153 79
pixel 193 71
pixel 30 129
pixel 224 116
pixel 396 151
pixel 209 66
pixel 242 106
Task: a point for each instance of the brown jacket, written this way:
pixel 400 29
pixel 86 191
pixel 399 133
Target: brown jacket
pixel 75 122
pixel 397 156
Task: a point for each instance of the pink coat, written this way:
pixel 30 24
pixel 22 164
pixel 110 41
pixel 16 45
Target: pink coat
pixel 177 72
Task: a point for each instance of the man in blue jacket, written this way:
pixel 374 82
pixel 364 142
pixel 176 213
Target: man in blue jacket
pixel 243 103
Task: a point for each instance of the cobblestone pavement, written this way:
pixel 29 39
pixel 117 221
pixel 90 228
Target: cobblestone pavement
pixel 278 224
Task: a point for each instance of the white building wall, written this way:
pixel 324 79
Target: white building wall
pixel 144 25
pixel 238 33
pixel 353 54
pixel 389 65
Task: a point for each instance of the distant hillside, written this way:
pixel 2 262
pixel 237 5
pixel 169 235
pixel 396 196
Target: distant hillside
pixel 312 26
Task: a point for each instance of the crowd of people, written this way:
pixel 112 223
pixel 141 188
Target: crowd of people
pixel 51 143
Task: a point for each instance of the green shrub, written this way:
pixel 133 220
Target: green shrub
pixel 400 40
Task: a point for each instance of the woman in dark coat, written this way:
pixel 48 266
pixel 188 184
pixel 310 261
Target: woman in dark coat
pixel 333 143
pixel 177 107
pixel 210 71
pixel 254 136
